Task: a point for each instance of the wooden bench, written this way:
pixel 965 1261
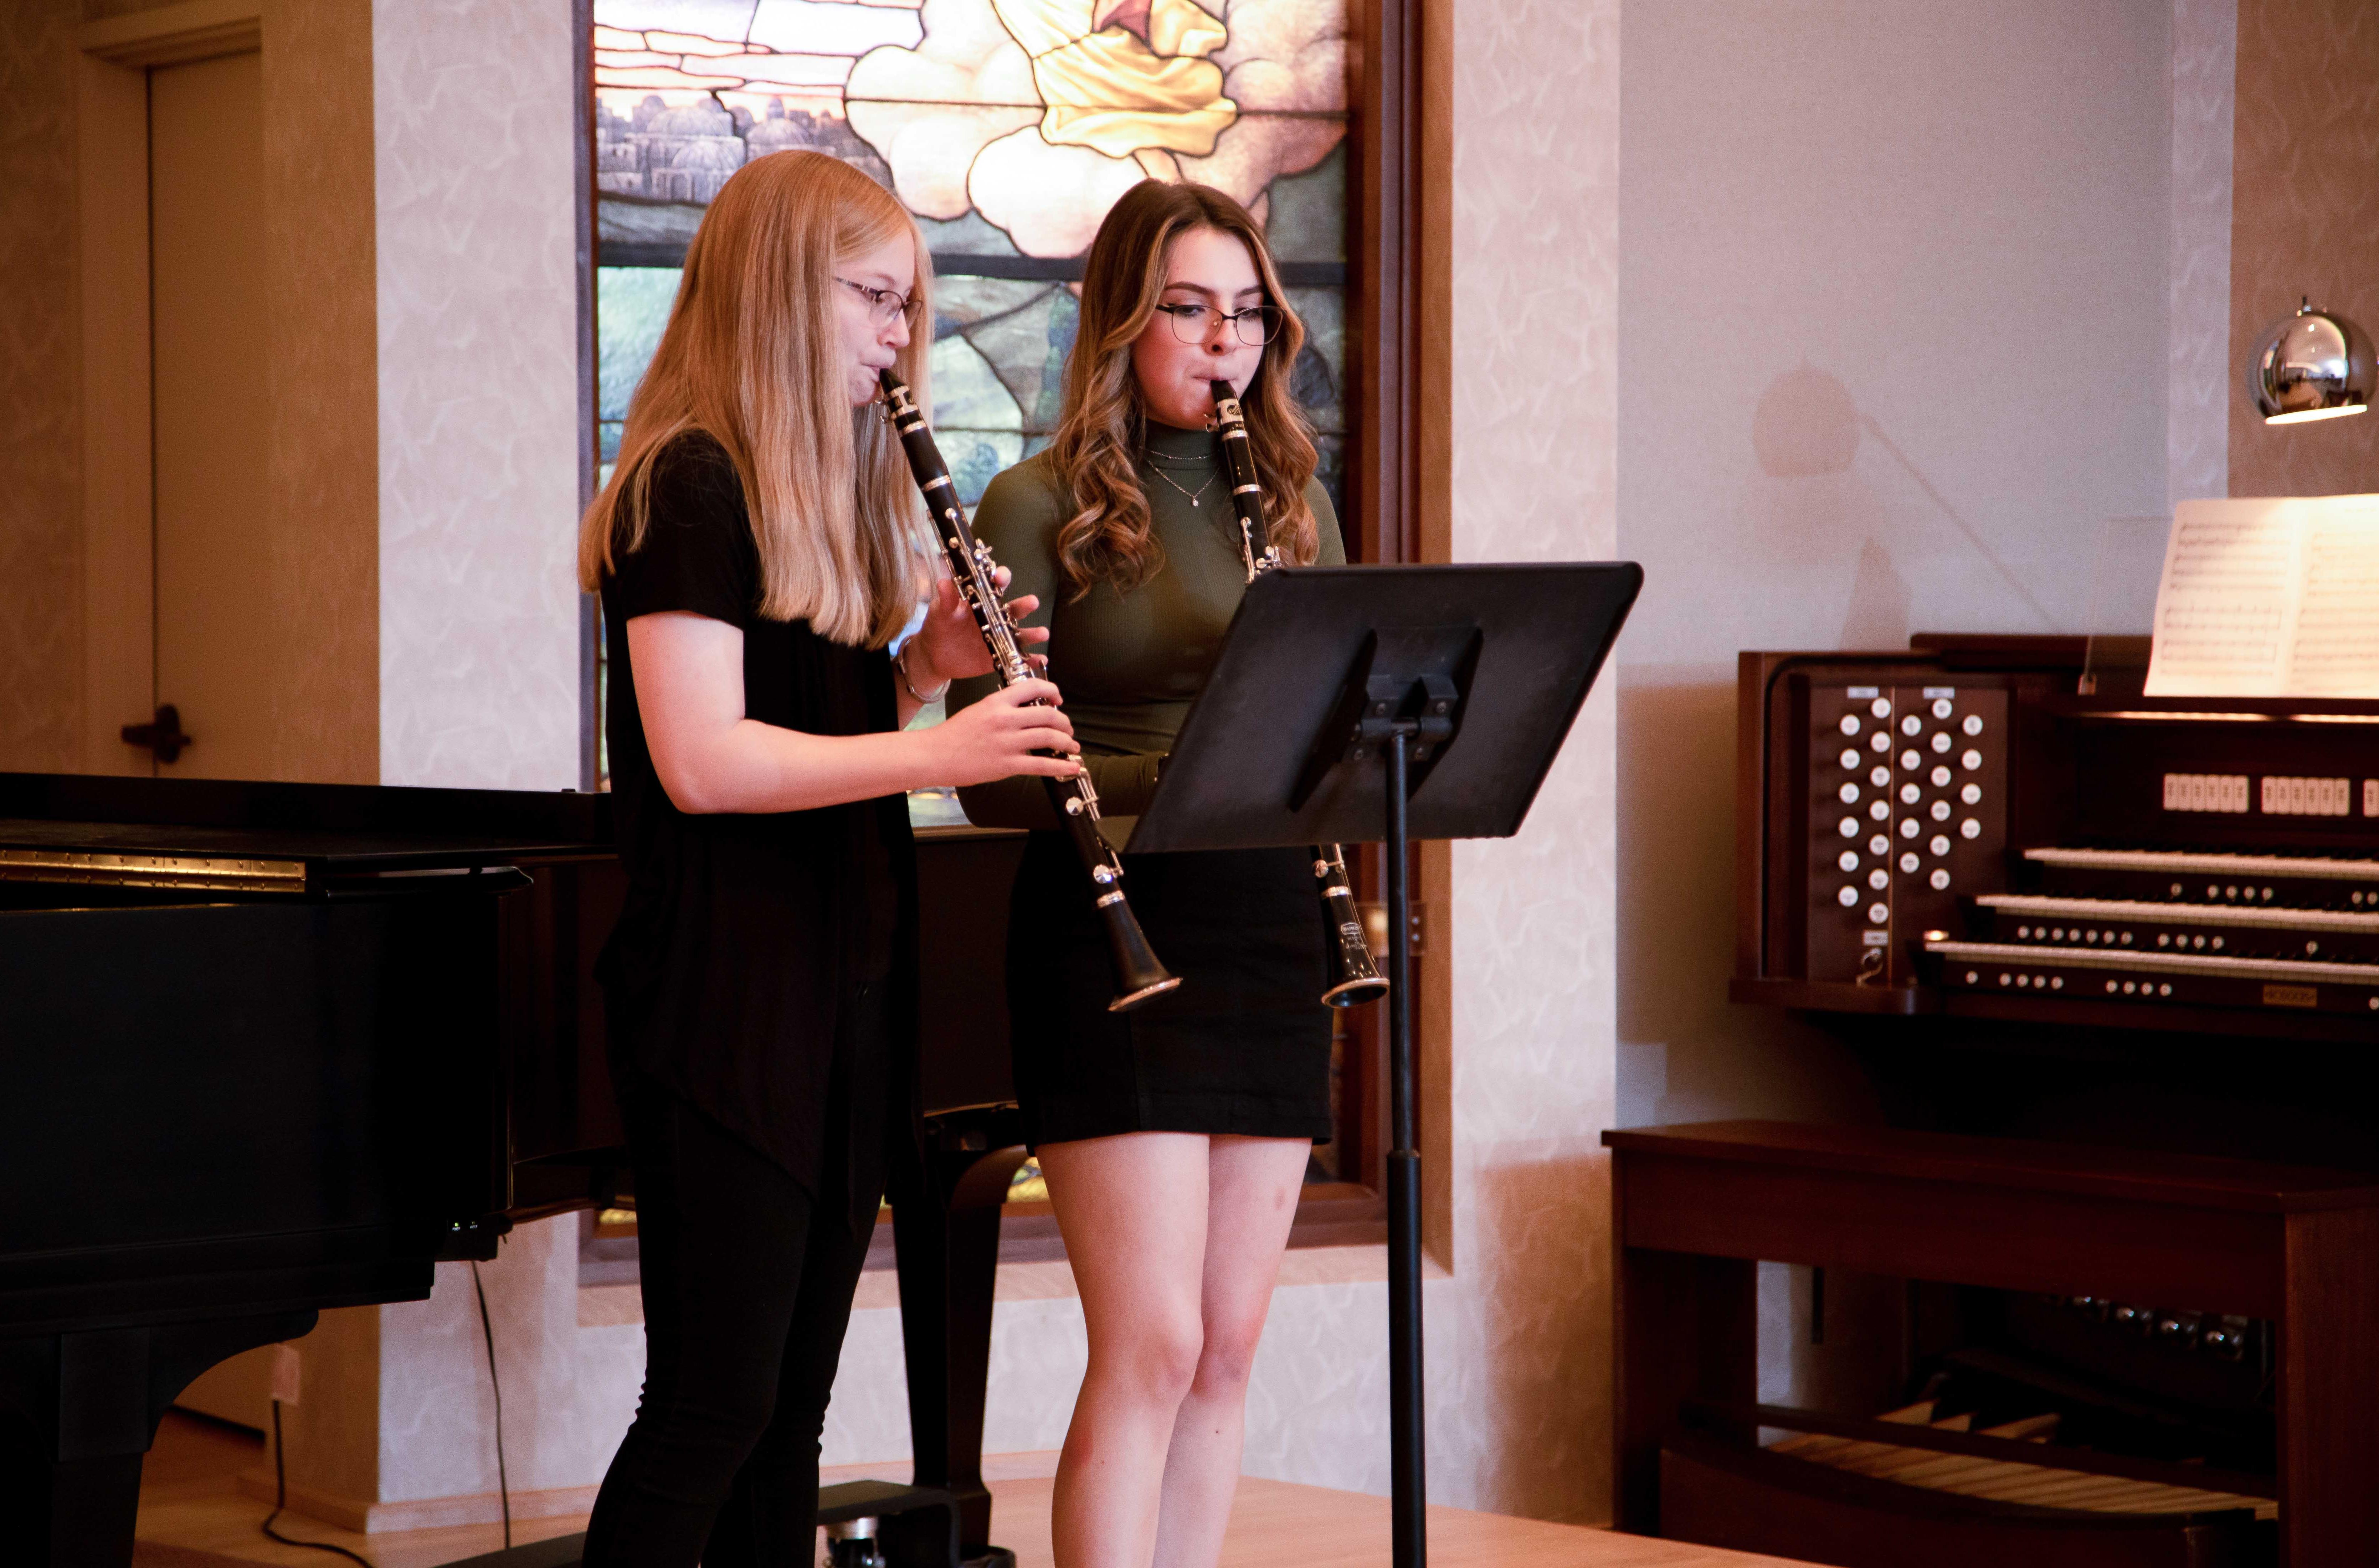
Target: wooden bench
pixel 1697 1205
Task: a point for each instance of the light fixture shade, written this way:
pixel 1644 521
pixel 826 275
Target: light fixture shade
pixel 2315 364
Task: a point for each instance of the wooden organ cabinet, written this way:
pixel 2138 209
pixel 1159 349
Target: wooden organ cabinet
pixel 2111 964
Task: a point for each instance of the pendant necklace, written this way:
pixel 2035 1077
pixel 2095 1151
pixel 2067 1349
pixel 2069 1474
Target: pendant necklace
pixel 1185 490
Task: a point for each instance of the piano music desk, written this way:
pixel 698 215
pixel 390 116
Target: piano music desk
pixel 1697 1205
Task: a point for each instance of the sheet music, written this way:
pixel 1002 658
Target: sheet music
pixel 2336 652
pixel 2269 597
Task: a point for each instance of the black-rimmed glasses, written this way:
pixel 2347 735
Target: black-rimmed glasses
pixel 884 304
pixel 1257 325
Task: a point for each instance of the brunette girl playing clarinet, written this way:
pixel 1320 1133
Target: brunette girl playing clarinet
pixel 1173 1136
pixel 758 548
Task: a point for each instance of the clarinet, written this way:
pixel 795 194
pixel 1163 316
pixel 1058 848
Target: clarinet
pixel 1353 978
pixel 1138 975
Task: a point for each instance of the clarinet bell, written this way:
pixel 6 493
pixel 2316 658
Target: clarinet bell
pixel 1353 978
pixel 1139 975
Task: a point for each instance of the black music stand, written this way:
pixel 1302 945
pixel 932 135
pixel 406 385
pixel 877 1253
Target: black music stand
pixel 1360 703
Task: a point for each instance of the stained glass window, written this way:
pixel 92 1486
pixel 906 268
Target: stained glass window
pixel 1007 128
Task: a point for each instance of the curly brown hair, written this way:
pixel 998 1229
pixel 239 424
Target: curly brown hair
pixel 1101 422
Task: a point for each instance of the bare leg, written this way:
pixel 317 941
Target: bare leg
pixel 1251 1187
pixel 1132 1209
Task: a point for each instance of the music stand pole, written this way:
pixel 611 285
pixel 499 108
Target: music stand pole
pixel 1408 1466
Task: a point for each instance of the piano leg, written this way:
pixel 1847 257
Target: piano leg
pixel 945 1241
pixel 87 1405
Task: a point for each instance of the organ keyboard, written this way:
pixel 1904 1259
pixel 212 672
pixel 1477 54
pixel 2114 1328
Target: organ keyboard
pixel 1964 828
pixel 2037 1482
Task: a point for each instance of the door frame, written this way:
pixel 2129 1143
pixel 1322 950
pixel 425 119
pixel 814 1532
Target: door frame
pixel 112 245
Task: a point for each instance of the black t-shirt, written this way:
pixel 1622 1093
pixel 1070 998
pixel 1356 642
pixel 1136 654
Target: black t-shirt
pixel 742 935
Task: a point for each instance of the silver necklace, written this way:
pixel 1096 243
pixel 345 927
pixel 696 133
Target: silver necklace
pixel 1185 490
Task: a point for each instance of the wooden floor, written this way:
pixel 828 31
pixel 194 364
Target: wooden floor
pixel 190 1517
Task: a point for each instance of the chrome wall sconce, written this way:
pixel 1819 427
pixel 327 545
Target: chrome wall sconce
pixel 2315 364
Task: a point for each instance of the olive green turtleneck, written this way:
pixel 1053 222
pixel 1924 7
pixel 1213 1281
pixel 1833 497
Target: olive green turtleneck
pixel 1130 664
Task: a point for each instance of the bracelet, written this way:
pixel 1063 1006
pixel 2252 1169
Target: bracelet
pixel 901 664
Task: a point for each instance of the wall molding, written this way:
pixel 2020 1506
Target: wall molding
pixel 172 35
pixel 558 1503
pixel 419 1514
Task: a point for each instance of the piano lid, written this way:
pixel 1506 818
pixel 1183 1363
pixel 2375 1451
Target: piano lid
pixel 278 836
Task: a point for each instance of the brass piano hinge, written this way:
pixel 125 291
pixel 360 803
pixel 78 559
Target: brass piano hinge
pixel 84 867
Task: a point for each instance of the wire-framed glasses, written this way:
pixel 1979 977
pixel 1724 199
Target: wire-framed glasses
pixel 884 304
pixel 1257 325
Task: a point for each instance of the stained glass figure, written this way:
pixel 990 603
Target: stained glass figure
pixel 1007 128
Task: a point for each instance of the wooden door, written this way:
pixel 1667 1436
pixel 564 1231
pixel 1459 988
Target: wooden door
pixel 216 638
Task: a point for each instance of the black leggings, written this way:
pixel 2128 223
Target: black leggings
pixel 747 1282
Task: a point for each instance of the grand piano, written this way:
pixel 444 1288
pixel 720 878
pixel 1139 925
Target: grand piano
pixel 274 1048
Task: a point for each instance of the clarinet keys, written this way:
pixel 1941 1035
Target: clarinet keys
pixel 1138 974
pixel 1353 979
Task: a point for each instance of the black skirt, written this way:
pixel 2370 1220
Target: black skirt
pixel 1242 1046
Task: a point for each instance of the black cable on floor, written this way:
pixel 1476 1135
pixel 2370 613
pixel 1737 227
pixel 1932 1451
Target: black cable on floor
pixel 280 1501
pixel 503 1483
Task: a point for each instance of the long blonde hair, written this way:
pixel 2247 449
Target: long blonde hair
pixel 1101 423
pixel 752 356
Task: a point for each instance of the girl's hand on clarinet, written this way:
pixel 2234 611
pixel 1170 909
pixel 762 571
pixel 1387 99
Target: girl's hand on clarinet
pixel 997 737
pixel 952 645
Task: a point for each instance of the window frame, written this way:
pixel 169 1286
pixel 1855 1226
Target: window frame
pixel 1394 484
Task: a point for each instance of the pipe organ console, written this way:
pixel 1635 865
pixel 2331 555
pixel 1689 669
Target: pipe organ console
pixel 1962 829
pixel 2055 923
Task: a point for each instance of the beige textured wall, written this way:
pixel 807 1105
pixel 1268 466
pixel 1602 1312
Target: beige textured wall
pixel 1520 1389
pixel 2203 384
pixel 1851 411
pixel 474 105
pixel 332 1435
pixel 1845 419
pixel 2304 221
pixel 568 1390
pixel 41 473
pixel 323 460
